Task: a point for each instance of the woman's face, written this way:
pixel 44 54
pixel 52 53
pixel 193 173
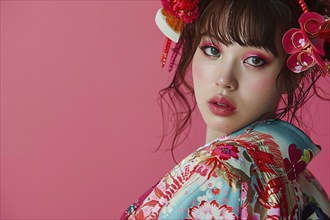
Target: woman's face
pixel 234 85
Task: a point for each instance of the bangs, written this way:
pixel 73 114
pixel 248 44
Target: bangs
pixel 256 23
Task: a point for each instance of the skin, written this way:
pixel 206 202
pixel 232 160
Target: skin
pixel 244 75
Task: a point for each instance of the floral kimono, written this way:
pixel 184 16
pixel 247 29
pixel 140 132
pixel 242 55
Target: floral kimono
pixel 258 172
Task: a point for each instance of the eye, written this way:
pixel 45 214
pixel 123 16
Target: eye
pixel 255 61
pixel 210 51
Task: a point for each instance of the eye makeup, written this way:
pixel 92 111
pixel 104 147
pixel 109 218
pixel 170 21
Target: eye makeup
pixel 267 59
pixel 209 47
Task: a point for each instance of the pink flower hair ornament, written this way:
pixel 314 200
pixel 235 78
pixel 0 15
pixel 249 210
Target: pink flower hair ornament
pixel 306 44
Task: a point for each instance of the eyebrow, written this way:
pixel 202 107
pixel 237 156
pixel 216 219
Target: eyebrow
pixel 204 34
pixel 212 37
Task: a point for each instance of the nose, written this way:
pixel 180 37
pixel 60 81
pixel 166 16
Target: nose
pixel 227 76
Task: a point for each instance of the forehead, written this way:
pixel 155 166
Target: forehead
pixel 255 23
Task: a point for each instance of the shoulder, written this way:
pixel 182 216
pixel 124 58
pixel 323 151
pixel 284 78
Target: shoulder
pixel 245 174
pixel 289 139
pixel 279 130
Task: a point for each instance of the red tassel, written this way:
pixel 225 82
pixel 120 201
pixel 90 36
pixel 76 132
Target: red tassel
pixel 166 49
pixel 174 55
pixel 303 6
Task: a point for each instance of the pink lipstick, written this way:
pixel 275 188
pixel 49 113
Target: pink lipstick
pixel 221 106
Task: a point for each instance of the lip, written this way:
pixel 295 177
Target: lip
pixel 221 106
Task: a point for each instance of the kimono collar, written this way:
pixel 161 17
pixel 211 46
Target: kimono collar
pixel 296 147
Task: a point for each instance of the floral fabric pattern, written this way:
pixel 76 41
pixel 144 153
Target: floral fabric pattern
pixel 295 165
pixel 254 173
pixel 213 210
pixel 224 151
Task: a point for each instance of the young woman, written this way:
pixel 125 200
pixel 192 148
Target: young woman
pixel 253 63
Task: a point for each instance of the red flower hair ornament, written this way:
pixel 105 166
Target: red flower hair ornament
pixel 171 20
pixel 306 44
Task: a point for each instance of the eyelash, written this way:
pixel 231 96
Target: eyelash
pixel 260 59
pixel 205 47
pixel 218 54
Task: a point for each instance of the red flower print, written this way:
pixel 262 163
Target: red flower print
pixel 295 165
pixel 224 151
pixel 212 210
pixel 215 191
pixel 203 171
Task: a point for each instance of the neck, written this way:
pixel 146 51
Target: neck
pixel 212 134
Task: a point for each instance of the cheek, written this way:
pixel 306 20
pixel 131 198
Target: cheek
pixel 196 69
pixel 200 81
pixel 201 73
pixel 262 90
pixel 262 84
pixel 197 75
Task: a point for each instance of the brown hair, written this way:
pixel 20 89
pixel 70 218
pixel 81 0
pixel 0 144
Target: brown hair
pixel 258 23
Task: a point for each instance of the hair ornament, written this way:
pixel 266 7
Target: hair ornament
pixel 306 45
pixel 171 20
pixel 303 5
pixel 325 30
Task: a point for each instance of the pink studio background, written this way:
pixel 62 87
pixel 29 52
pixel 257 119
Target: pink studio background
pixel 79 112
